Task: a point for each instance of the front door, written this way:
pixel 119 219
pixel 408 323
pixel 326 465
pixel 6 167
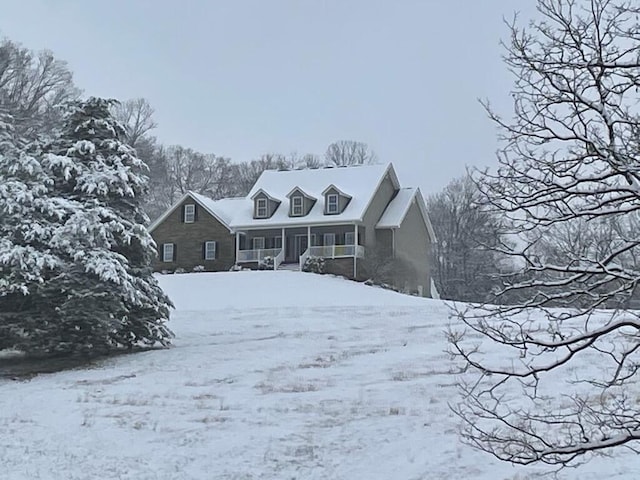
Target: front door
pixel 300 246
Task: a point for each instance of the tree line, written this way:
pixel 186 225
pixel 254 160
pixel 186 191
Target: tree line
pixel 176 169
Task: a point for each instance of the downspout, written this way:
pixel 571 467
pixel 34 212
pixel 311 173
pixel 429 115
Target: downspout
pixel 393 243
pixel 237 247
pixel 355 253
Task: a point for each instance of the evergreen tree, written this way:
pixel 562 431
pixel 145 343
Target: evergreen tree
pixel 28 220
pixel 75 257
pixel 111 297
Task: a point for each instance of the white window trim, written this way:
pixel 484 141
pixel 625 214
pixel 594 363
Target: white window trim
pixel 189 213
pixel 295 206
pixel 168 250
pixel 261 204
pixel 353 238
pixel 332 206
pixel 331 236
pixel 314 240
pixel 207 250
pixel 253 243
pixel 275 241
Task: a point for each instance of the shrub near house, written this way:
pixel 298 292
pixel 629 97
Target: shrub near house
pixel 342 215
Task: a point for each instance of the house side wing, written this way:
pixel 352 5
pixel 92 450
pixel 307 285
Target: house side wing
pixel 197 198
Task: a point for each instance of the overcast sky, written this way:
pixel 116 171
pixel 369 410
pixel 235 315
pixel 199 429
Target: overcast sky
pixel 240 78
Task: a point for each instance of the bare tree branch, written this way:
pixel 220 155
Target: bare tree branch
pixel 549 375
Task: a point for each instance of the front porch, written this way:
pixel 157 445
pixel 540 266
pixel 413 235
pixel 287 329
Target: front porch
pixel 300 243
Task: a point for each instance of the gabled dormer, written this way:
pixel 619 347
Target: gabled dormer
pixel 335 200
pixel 300 203
pixel 264 205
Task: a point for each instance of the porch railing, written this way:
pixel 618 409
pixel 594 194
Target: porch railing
pixel 279 259
pixel 303 258
pixel 245 256
pixel 332 251
pixel 337 251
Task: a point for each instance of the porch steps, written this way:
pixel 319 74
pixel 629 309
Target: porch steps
pixel 294 267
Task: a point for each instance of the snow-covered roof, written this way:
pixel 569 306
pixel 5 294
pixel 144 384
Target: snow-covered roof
pixel 223 210
pixel 298 189
pixel 397 210
pixel 333 187
pixel 358 182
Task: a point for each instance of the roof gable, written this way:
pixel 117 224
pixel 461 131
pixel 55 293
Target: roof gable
pixel 260 191
pixel 336 189
pixel 221 214
pixel 302 192
pixel 398 208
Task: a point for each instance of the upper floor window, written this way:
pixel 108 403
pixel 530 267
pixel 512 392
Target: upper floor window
pixel 296 206
pixel 261 208
pixel 332 203
pixel 189 213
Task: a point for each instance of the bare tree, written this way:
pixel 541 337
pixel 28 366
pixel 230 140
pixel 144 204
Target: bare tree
pixel 309 160
pixel 246 173
pixel 541 383
pixel 348 152
pixel 34 88
pixel 467 264
pixel 136 115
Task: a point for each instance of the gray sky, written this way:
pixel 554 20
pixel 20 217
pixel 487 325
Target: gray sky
pixel 240 78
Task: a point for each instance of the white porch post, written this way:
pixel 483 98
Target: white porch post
pixel 237 246
pixel 284 245
pixel 355 252
pixel 308 237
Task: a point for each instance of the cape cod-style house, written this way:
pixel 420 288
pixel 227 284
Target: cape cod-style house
pixel 351 216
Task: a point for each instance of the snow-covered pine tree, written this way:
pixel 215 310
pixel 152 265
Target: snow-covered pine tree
pixel 28 219
pixel 111 298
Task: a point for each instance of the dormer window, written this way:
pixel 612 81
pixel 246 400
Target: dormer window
pixel 261 208
pixel 297 206
pixel 189 213
pixel 300 202
pixel 335 200
pixel 332 203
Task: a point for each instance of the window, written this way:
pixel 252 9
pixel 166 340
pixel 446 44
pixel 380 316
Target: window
pixel 314 240
pixel 329 239
pixel 332 203
pixel 296 206
pixel 277 242
pixel 210 250
pixel 349 238
pixel 258 243
pixel 261 208
pixel 167 252
pixel 189 213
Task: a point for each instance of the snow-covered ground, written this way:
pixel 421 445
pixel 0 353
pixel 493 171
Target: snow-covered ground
pixel 273 375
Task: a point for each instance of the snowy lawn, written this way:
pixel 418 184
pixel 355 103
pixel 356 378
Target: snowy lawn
pixel 273 375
